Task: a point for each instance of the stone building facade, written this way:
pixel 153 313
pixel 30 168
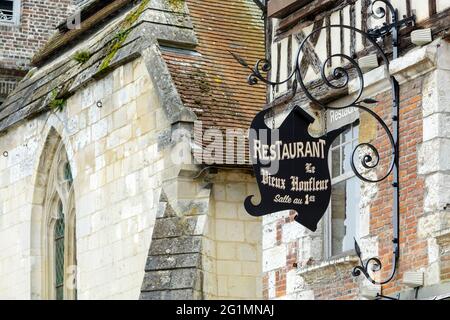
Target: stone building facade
pixel 299 264
pixel 101 195
pixel 25 26
pixel 124 166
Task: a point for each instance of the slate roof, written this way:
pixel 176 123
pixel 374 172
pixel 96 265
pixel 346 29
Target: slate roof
pixel 195 46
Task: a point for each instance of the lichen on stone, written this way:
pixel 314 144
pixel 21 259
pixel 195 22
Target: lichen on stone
pixel 124 30
pixel 30 73
pixel 201 77
pixel 177 5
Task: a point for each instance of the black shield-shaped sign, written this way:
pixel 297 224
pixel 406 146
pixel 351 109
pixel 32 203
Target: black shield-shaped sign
pixel 291 168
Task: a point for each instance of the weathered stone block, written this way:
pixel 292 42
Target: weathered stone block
pixel 230 230
pixel 236 191
pixel 219 192
pixel 189 260
pixel 226 210
pixel 242 287
pixel 434 155
pixel 229 267
pixel 226 251
pixel 435 126
pixel 291 232
pixel 169 279
pixel 253 232
pixel 247 252
pixel 269 237
pixel 274 258
pixel 175 245
pixel 174 227
pixel 437 187
pixel 186 294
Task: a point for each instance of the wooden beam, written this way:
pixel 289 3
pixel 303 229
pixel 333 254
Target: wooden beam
pixel 328 38
pixel 408 8
pixel 341 33
pixel 364 18
pixel 310 56
pixel 432 7
pixel 308 11
pixel 309 20
pixel 278 76
pixel 290 62
pixel 353 32
pixel 282 8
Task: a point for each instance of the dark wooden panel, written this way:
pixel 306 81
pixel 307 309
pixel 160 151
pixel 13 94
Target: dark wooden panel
pixel 307 12
pixel 282 8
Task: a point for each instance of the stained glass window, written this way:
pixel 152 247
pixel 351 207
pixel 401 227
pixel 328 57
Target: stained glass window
pixel 59 253
pixel 68 173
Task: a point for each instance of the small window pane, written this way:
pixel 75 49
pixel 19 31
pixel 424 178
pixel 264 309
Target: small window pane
pixel 347 135
pixel 352 194
pixel 336 163
pixel 355 131
pixel 336 142
pixel 338 205
pixel 6 11
pixel 345 215
pixel 68 173
pixel 347 152
pixel 344 207
pixel 59 253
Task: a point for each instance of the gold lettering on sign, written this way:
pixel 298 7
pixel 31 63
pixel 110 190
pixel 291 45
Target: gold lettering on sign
pixel 311 185
pixel 271 181
pixel 289 151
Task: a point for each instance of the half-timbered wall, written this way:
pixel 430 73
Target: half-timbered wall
pixel 299 264
pixel 289 31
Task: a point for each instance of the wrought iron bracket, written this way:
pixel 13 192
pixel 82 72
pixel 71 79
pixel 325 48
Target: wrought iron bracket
pixel 386 29
pixel 392 28
pixel 339 78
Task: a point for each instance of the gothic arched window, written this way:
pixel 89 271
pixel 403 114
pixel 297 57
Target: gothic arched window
pixel 58 237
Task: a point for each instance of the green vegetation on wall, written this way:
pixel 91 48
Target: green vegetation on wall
pixel 82 56
pixel 56 104
pixel 124 30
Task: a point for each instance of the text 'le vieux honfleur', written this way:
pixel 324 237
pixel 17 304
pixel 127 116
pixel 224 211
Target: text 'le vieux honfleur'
pixel 289 151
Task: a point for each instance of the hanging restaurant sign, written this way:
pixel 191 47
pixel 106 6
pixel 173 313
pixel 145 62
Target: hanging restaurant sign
pixel 291 168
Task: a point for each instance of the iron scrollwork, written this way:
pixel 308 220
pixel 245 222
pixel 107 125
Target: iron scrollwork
pixel 339 78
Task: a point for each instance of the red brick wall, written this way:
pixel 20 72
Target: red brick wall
pixel 338 283
pixel 413 250
pixel 37 23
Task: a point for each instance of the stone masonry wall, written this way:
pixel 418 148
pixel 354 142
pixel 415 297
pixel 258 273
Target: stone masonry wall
pixel 117 169
pixel 210 251
pixel 232 254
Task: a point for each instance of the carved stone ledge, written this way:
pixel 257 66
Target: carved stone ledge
pixel 443 237
pixel 443 240
pixel 321 271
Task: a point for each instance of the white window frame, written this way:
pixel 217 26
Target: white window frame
pixel 328 236
pixel 17 8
